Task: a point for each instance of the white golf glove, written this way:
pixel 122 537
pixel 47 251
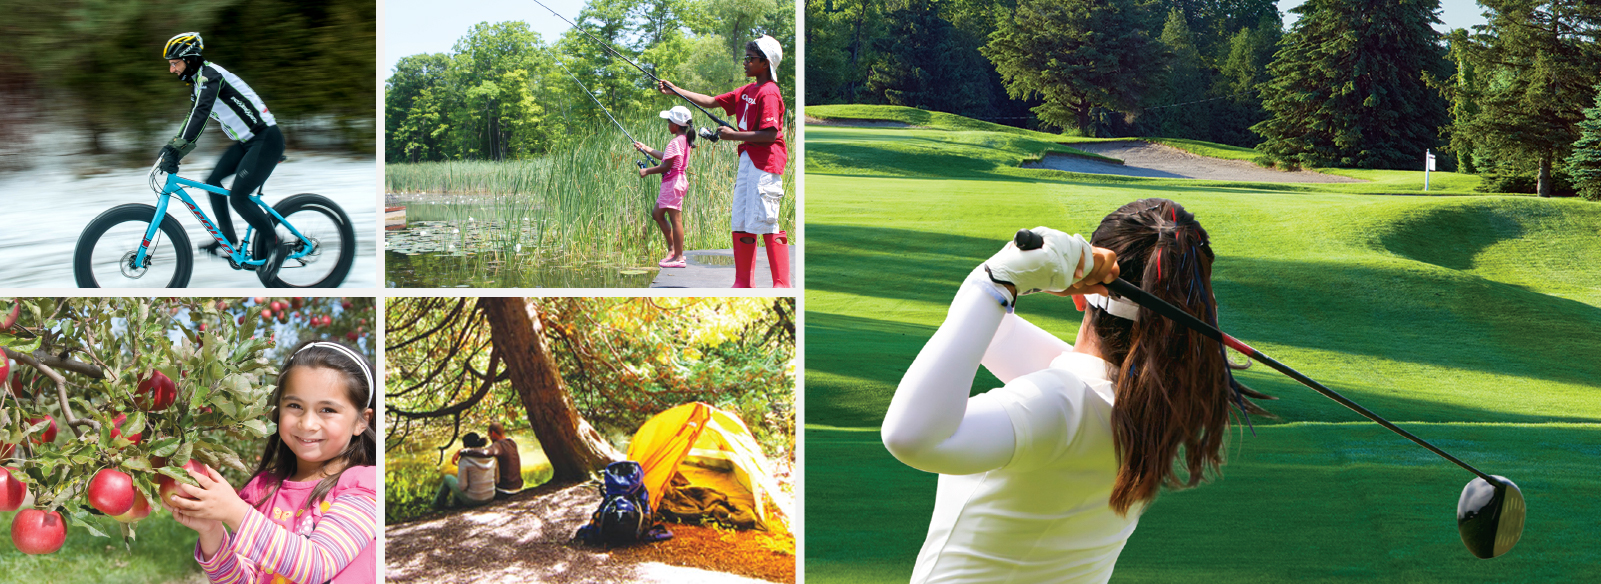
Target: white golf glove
pixel 1047 269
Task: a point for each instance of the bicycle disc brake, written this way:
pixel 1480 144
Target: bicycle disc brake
pixel 131 271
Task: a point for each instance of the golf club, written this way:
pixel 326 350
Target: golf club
pixel 1490 511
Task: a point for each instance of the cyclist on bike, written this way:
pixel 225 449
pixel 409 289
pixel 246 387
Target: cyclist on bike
pixel 258 146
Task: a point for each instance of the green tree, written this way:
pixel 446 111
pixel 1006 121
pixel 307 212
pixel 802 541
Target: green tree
pixel 1078 55
pixel 1185 82
pixel 1348 86
pixel 1537 61
pixel 415 108
pixel 1584 164
pixel 923 63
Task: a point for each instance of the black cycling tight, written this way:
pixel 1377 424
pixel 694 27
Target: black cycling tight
pixel 253 161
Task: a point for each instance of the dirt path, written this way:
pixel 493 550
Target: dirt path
pixel 1150 160
pixel 525 539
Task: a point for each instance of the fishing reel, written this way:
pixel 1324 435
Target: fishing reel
pixel 708 134
pixel 640 164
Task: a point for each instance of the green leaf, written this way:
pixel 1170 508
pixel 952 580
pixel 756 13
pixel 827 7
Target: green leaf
pixel 139 463
pixel 184 453
pixel 257 428
pixel 134 424
pixel 164 447
pixel 177 473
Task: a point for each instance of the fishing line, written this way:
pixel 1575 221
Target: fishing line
pixel 608 46
pixel 607 112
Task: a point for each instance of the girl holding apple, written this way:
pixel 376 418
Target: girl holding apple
pixel 310 512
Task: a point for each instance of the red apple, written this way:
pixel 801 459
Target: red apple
pixel 346 304
pixel 202 327
pixel 5 369
pixel 277 306
pixel 116 429
pixel 298 302
pixel 111 491
pixel 168 488
pixel 38 532
pixel 12 491
pixel 351 336
pixel 260 300
pixel 241 319
pixel 5 450
pixel 222 305
pixel 266 314
pixel 49 433
pixel 156 392
pixel 140 509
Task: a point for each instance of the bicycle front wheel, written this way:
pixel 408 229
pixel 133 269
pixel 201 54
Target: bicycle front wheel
pixel 104 257
pixel 329 243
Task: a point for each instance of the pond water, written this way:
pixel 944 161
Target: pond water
pixel 456 242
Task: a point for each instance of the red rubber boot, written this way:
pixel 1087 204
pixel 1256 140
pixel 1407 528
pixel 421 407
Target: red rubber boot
pixel 744 258
pixel 778 257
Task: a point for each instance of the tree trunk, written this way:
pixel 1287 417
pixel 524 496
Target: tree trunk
pixel 1544 186
pixel 572 445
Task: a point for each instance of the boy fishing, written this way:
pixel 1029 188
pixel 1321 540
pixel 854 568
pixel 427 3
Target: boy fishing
pixel 759 186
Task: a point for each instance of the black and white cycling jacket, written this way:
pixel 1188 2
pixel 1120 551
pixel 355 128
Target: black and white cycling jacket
pixel 242 114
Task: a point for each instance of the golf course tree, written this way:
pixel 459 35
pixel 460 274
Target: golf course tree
pixel 110 397
pixel 1584 165
pixel 1079 55
pixel 925 64
pixel 580 370
pixel 1537 63
pixel 1348 86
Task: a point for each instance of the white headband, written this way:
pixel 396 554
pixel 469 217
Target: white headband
pixel 1117 307
pixel 354 356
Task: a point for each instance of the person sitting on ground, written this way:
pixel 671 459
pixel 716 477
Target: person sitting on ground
pixel 474 483
pixel 504 450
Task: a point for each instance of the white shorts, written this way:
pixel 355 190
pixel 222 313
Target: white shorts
pixel 757 197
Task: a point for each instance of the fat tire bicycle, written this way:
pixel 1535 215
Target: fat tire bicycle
pixel 124 246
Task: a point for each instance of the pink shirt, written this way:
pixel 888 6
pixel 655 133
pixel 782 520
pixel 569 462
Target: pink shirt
pixel 675 181
pixel 759 107
pixel 284 542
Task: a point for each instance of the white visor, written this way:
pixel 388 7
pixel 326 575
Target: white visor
pixel 1117 307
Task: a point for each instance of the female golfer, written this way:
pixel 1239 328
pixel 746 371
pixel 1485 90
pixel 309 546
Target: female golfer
pixel 675 182
pixel 1043 480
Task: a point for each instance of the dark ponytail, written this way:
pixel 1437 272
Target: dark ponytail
pixel 1173 385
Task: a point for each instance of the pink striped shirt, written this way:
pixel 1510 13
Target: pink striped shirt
pixel 332 541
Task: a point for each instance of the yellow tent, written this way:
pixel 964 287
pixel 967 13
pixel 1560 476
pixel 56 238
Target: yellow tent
pixel 709 447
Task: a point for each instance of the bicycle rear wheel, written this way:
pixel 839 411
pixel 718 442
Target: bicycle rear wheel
pixel 329 234
pixel 106 249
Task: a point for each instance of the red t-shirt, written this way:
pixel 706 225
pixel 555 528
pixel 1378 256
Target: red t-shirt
pixel 757 107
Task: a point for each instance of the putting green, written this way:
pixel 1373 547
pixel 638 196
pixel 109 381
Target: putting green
pixel 1473 321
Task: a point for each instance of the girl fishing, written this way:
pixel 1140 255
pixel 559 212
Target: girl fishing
pixel 758 108
pixel 310 512
pixel 675 182
pixel 1044 479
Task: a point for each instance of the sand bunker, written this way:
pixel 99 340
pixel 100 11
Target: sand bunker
pixel 855 123
pixel 1149 160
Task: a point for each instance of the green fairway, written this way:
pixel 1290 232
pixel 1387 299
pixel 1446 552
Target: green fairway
pixel 1473 321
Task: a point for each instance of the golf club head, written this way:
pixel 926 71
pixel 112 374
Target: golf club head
pixel 1490 516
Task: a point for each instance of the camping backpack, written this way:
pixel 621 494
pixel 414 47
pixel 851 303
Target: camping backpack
pixel 624 515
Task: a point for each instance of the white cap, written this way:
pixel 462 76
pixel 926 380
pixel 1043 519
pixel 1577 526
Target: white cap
pixel 773 52
pixel 678 115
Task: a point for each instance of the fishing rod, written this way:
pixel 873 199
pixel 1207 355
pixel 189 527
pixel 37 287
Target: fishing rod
pixel 704 133
pixel 608 114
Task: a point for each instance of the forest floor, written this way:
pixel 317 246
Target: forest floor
pixel 1162 161
pixel 529 538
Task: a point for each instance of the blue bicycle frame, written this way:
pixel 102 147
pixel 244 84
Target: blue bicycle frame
pixel 238 257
